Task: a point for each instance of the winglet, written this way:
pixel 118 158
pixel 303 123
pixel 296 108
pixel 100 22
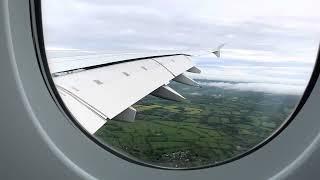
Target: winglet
pixel 217 52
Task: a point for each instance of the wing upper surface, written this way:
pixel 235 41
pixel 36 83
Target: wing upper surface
pixel 112 89
pixel 96 88
pixel 107 91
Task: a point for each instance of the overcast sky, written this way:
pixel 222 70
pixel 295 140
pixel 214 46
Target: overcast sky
pixel 273 42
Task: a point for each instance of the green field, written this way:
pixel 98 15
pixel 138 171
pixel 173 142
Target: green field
pixel 212 125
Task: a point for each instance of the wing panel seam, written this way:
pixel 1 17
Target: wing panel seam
pixel 90 107
pixel 164 67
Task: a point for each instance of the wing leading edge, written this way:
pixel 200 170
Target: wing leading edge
pixel 108 91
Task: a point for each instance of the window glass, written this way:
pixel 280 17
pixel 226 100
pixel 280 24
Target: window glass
pixel 242 98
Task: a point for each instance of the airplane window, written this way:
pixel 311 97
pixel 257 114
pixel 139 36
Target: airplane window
pixel 144 78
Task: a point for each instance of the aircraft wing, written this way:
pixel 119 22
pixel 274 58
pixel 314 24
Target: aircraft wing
pixel 97 88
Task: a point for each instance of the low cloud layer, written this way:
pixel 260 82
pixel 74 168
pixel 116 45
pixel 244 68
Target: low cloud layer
pixel 237 74
pixel 259 87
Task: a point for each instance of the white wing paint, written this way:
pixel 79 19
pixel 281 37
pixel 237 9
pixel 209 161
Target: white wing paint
pixel 96 88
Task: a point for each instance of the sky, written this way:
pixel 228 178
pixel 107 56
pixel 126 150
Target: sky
pixel 271 46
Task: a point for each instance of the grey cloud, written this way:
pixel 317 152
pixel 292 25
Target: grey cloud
pixel 130 25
